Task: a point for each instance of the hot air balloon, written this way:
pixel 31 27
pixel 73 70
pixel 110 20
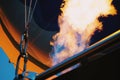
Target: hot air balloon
pixel 43 16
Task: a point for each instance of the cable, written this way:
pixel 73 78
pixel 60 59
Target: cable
pixel 33 10
pixel 29 12
pixel 25 15
pixel 24 43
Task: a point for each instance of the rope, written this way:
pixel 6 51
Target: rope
pixel 24 41
pixel 33 10
pixel 29 11
pixel 25 14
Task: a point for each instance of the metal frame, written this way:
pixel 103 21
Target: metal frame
pixel 103 47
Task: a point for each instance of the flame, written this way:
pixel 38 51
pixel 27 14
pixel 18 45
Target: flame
pixel 78 22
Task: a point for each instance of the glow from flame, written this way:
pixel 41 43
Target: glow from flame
pixel 78 22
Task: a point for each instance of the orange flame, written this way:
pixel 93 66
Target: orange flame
pixel 78 22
